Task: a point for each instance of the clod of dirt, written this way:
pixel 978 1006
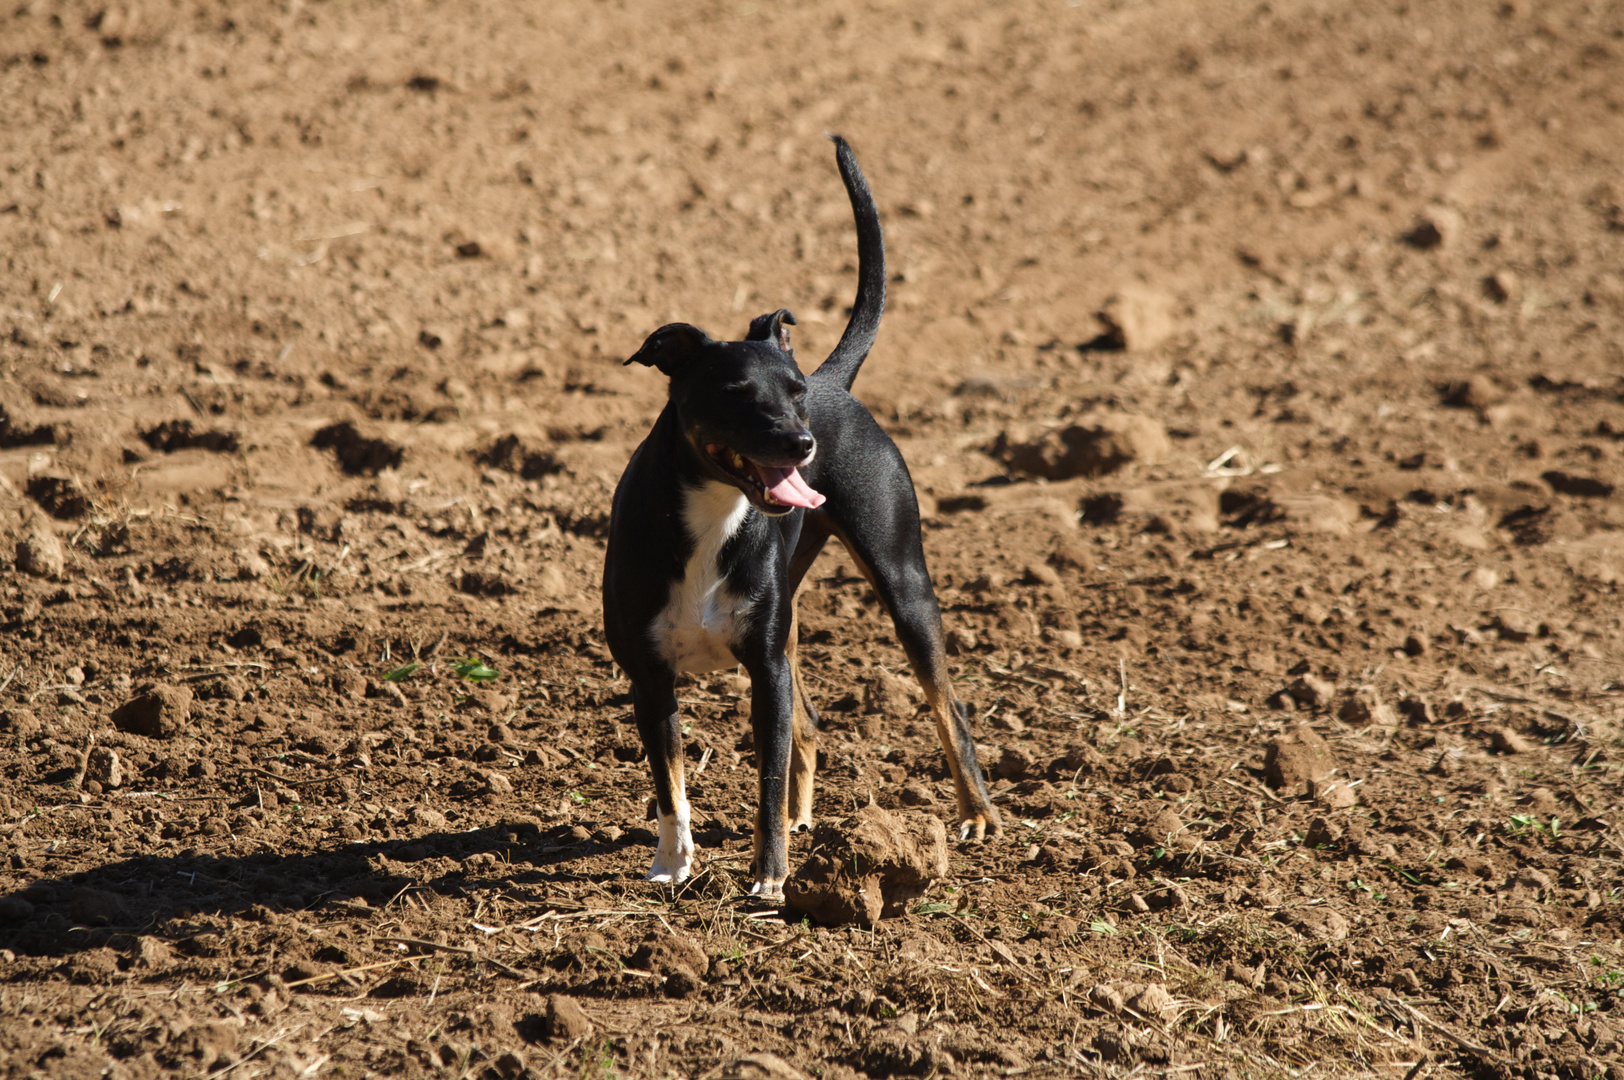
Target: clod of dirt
pixel 358 454
pixel 1014 764
pixel 103 766
pixel 1070 552
pixel 565 1019
pixel 891 696
pixel 761 1066
pixel 21 723
pixel 1435 226
pixel 1505 741
pixel 868 867
pixel 58 495
pixel 251 565
pixel 1478 392
pixel 1308 691
pixel 1335 794
pixel 1362 706
pixel 1148 1000
pixel 95 907
pixel 1317 923
pixel 1099 443
pixel 1295 758
pixel 172 435
pixel 39 552
pixel 1137 319
pixel 158 712
pixel 1542 801
pixel 675 957
pixel 19 432
pixel 512 454
pixel 1563 483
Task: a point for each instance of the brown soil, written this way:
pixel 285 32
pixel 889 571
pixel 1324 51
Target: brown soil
pixel 310 329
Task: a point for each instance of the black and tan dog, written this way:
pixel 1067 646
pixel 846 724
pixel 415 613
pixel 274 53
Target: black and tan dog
pixel 749 469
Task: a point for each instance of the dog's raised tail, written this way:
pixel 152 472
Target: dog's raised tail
pixel 866 310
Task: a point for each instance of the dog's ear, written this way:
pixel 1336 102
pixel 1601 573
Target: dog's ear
pixel 670 347
pixel 772 327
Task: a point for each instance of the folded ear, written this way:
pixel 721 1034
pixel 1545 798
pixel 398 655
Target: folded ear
pixel 772 327
pixel 670 347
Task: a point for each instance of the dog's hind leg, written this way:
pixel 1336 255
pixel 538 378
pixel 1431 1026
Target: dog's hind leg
pixel 903 585
pixel 661 729
pixel 803 755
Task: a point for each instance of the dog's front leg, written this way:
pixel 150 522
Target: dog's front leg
pixel 655 707
pixel 772 703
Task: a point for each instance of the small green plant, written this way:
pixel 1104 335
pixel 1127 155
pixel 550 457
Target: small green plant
pixel 473 669
pixel 578 799
pixel 402 673
pixel 1520 824
pixel 1100 926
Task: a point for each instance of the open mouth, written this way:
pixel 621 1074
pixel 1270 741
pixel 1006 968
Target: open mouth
pixel 770 487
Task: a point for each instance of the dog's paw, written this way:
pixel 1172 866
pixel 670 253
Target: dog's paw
pixel 979 827
pixel 671 868
pixel 804 825
pixel 769 889
pixel 674 858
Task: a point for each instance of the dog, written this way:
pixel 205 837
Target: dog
pixel 747 472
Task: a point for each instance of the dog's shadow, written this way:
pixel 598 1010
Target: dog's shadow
pixel 177 897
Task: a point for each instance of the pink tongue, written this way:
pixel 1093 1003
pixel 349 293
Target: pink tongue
pixel 787 487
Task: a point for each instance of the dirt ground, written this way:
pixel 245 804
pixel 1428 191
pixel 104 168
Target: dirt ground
pixel 1304 703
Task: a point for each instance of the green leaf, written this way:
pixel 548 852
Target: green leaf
pixel 935 907
pixel 1100 926
pixel 474 670
pixel 401 673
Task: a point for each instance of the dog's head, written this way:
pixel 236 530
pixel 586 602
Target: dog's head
pixel 742 406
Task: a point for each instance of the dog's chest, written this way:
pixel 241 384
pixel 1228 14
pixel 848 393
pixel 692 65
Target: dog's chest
pixel 703 617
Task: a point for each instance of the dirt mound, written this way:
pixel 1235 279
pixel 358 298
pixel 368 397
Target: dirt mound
pixel 871 866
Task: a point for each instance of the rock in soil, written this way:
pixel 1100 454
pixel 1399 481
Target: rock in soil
pixel 158 712
pixel 868 867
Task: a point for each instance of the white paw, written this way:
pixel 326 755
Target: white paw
pixel 674 858
pixel 768 889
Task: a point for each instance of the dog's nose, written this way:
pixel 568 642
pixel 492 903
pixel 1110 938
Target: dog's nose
pixel 801 443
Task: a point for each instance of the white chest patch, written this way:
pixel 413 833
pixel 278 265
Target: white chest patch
pixel 702 617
